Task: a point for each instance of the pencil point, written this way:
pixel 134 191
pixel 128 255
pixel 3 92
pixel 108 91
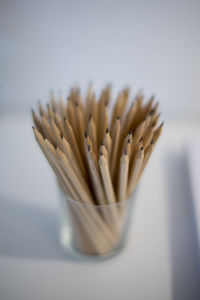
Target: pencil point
pixel 152 142
pixel 130 132
pixel 142 148
pixel 55 147
pixel 90 117
pixel 106 130
pixel 152 97
pixel 61 136
pixel 129 141
pixel 33 127
pixel 141 139
pixel 151 112
pixel 161 125
pixel 125 153
pixel 118 118
pixel 153 124
pixel 86 134
pixel 102 144
pixel 88 147
pixel 64 118
pixel 100 153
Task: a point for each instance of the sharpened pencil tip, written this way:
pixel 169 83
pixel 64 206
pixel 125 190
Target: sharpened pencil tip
pixel 152 97
pixel 151 112
pixel 33 127
pixel 100 153
pixel 88 147
pixel 86 134
pixel 153 124
pixel 55 146
pixel 118 118
pixel 106 130
pixel 130 132
pixel 90 117
pixel 64 118
pixel 142 148
pixel 141 139
pixel 125 153
pixel 129 141
pixel 102 144
pixel 61 135
pixel 152 142
pixel 161 125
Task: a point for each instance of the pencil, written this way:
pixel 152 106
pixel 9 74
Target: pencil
pixel 123 176
pixel 115 144
pixel 105 173
pixel 135 171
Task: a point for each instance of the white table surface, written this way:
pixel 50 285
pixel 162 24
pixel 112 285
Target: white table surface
pixel 160 260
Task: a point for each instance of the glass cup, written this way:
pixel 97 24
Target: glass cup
pixel 94 230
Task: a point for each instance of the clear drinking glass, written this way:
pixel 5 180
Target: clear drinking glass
pixel 96 231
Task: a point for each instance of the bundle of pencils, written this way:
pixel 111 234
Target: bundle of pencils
pixel 98 158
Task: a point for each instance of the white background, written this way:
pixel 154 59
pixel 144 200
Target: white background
pixel 153 45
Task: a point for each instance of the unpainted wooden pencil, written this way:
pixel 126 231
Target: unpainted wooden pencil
pixel 60 124
pixel 50 113
pixel 135 171
pixel 72 140
pixel 47 130
pixel 115 145
pixel 91 130
pixel 106 177
pixel 104 151
pixel 84 195
pixel 157 133
pixel 37 122
pixel 103 123
pixel 123 176
pixel 41 109
pixel 107 142
pixel 95 176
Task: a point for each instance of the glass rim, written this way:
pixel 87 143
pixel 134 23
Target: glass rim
pixel 101 205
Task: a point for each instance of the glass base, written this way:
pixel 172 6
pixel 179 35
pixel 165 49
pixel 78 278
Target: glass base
pixel 82 243
pixel 69 248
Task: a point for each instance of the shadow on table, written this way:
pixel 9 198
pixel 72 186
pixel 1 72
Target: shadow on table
pixel 28 231
pixel 185 252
